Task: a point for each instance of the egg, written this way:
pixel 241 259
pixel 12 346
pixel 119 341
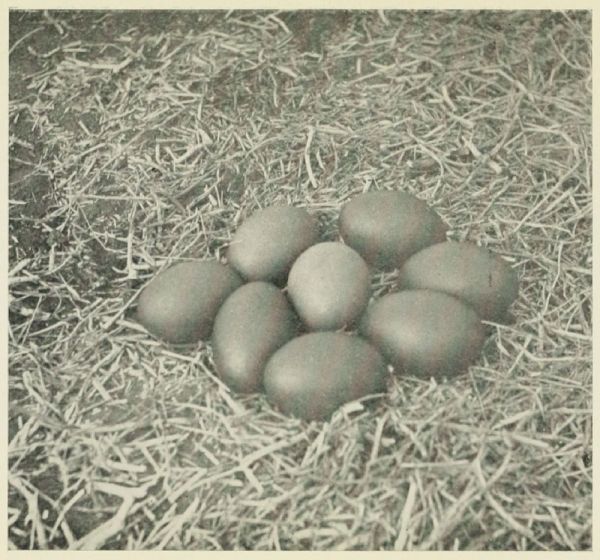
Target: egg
pixel 180 304
pixel 254 321
pixel 424 333
pixel 466 271
pixel 267 243
pixel 314 374
pixel 386 227
pixel 329 286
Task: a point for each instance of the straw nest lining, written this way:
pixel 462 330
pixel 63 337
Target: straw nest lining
pixel 148 139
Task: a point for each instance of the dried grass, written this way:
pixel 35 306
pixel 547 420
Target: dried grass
pixel 158 136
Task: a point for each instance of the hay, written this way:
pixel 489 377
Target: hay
pixel 147 140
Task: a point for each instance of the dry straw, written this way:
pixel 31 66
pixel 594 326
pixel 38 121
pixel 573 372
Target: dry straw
pixel 138 140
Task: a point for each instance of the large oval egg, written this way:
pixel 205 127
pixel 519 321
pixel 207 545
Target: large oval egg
pixel 254 321
pixel 424 333
pixel 386 227
pixel 329 286
pixel 267 243
pixel 313 375
pixel 180 304
pixel 466 271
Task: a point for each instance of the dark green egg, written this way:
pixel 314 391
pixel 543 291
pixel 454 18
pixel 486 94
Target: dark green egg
pixel 311 376
pixel 329 285
pixel 386 227
pixel 254 321
pixel 467 271
pixel 180 304
pixel 424 333
pixel 268 242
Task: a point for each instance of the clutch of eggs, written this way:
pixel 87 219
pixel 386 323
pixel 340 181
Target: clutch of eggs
pixel 278 314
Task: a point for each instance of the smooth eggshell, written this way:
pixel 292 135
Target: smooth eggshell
pixel 424 333
pixel 466 271
pixel 329 286
pixel 313 375
pixel 180 304
pixel 254 321
pixel 386 227
pixel 267 243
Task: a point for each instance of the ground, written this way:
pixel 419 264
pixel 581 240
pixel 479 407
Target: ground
pixel 139 140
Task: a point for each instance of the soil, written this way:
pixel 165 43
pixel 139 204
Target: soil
pixel 32 34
